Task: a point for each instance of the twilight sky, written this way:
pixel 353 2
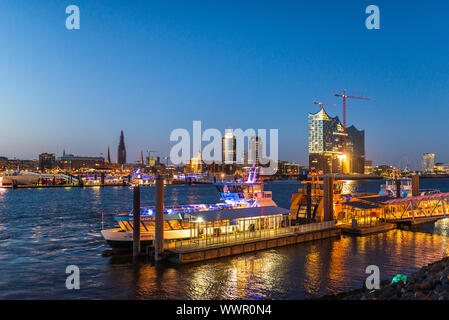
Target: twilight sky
pixel 149 67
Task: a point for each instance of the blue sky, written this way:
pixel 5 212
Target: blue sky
pixel 149 67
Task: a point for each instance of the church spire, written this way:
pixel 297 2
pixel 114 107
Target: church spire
pixel 121 154
pixel 108 160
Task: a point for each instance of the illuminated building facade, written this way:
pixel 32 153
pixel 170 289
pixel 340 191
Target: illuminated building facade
pixel 254 150
pixel 442 168
pixel 228 148
pixel 326 145
pixel 71 162
pixel 153 161
pixel 428 162
pixel 196 164
pixel 368 166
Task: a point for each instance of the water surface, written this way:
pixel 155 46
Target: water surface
pixel 42 231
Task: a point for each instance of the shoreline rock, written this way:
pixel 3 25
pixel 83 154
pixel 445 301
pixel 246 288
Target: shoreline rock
pixel 431 282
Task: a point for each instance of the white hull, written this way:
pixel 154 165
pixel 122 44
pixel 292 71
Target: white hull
pixel 120 235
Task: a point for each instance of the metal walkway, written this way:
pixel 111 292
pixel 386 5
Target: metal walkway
pixel 435 206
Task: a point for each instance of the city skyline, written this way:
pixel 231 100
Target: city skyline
pixel 151 68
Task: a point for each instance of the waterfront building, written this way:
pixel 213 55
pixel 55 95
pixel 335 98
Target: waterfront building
pixel 153 161
pixel 46 161
pixel 71 162
pixel 121 154
pixel 288 168
pixel 428 162
pixel 228 147
pixel 3 162
pixel 442 168
pixel 18 165
pixel 196 164
pixel 368 166
pixel 326 149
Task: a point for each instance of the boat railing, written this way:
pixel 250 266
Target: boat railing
pixel 268 194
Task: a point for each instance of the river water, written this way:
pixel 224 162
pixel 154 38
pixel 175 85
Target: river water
pixel 42 231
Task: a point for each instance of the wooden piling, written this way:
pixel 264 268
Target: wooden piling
pixel 398 188
pixel 159 234
pixel 328 199
pixel 309 201
pixel 136 221
pixel 415 185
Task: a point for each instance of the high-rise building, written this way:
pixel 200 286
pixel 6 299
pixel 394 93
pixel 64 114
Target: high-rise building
pixel 121 154
pixel 196 163
pixel 355 148
pixel 326 149
pixel 228 148
pixel 368 166
pixel 254 150
pixel 428 162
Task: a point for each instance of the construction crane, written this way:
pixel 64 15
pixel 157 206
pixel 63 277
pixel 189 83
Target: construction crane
pixel 324 104
pixel 344 96
pixel 149 154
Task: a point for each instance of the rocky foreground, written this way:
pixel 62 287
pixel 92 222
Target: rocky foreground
pixel 429 283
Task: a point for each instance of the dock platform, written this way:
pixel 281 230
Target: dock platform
pixel 295 235
pixel 365 230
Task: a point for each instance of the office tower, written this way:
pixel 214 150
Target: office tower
pixel 228 147
pixel 428 162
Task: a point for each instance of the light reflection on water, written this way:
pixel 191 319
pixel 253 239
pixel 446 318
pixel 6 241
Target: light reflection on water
pixel 43 231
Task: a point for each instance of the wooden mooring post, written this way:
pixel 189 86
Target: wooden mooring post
pixel 398 188
pixel 309 201
pixel 159 234
pixel 136 221
pixel 415 185
pixel 328 199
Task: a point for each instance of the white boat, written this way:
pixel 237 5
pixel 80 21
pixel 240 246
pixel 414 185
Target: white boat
pixel 25 178
pixel 177 223
pixel 390 188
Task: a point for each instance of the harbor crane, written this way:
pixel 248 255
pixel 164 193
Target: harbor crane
pixel 149 153
pixel 344 96
pixel 324 104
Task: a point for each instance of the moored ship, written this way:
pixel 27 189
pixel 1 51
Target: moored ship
pixel 178 220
